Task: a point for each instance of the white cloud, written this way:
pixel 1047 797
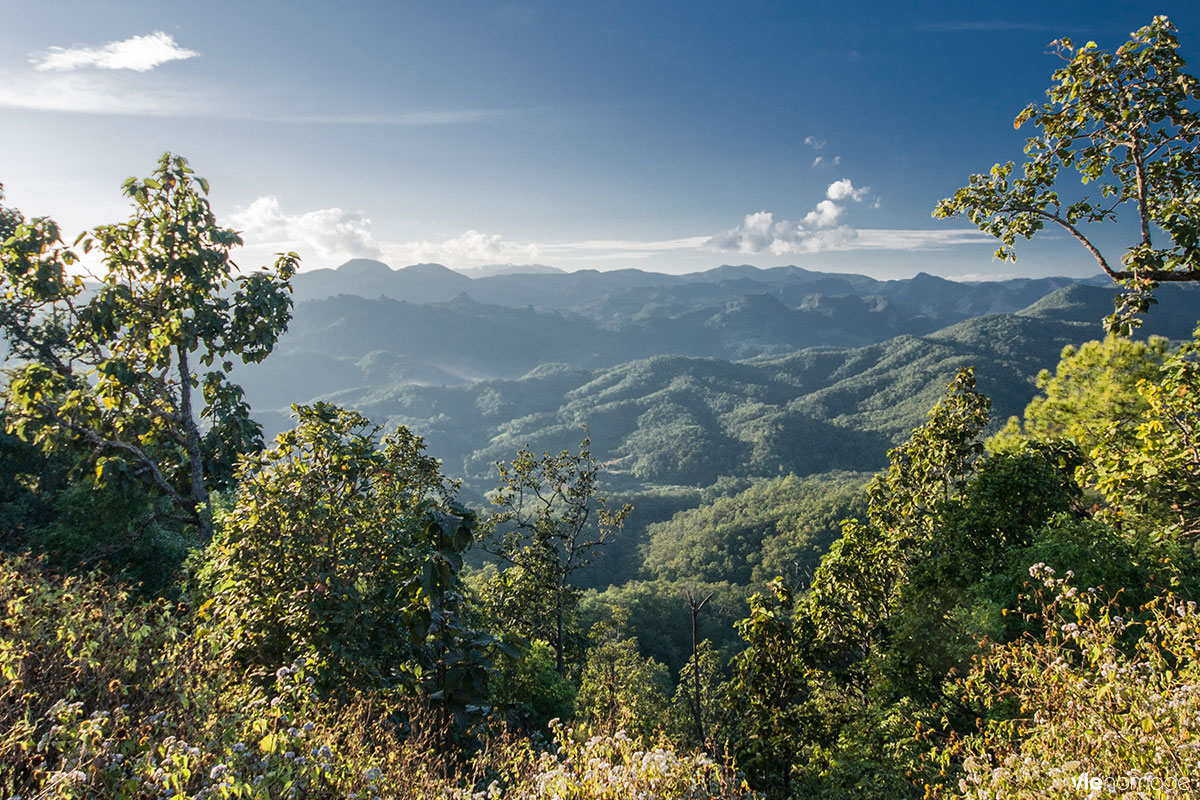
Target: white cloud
pixel 146 96
pixel 816 232
pixel 470 248
pixel 814 142
pixel 138 53
pixel 760 233
pixel 99 93
pixel 327 234
pixel 149 94
pixel 937 239
pixel 825 215
pixel 843 189
pixel 820 230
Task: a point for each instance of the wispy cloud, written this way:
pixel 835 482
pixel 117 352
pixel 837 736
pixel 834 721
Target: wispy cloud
pixel 934 239
pixel 138 53
pixel 473 248
pixel 145 96
pixel 114 79
pixel 410 118
pixel 327 237
pixel 101 93
pixel 818 145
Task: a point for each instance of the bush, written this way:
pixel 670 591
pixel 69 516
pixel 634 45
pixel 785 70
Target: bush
pixel 1098 696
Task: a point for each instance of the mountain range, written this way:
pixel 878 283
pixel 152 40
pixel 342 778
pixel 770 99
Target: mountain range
pixel 680 380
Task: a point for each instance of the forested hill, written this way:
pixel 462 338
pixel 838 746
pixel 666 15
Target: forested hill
pixel 675 419
pixel 505 325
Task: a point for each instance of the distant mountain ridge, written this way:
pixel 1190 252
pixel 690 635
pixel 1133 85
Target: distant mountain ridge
pixel 627 293
pixel 751 387
pixel 437 326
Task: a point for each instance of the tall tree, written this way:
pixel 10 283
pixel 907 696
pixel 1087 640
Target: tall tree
pixel 1128 122
pixel 111 368
pixel 695 603
pixel 550 524
pixel 347 548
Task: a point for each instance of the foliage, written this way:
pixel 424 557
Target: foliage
pixel 347 554
pixel 108 695
pixel 767 697
pixel 1131 567
pixel 80 526
pixel 70 645
pixel 658 616
pixel 1093 388
pixel 779 526
pixel 1151 470
pixel 550 523
pixel 1128 122
pixel 697 711
pixel 619 688
pixel 530 684
pixel 892 613
pixel 109 371
pixel 1097 702
pixel 856 588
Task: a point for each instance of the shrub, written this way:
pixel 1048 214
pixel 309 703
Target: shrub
pixel 1097 696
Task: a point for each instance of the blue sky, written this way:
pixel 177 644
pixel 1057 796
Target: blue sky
pixel 666 136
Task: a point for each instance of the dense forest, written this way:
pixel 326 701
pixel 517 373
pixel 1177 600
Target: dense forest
pixel 911 564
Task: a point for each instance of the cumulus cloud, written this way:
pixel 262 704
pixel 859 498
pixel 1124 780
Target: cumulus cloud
pixel 138 53
pixel 814 142
pixel 843 189
pixel 819 230
pixel 760 233
pixel 825 215
pixel 327 234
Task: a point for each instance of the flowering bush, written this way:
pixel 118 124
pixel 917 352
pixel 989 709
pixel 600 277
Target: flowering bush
pixel 616 767
pixel 106 695
pixel 1099 704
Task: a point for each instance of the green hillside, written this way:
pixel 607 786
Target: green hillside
pixel 673 420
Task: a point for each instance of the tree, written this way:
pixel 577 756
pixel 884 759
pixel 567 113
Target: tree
pixel 856 589
pixel 1093 389
pixel 769 695
pixel 620 689
pixel 1128 122
pixel 545 530
pixel 695 603
pixel 1151 471
pixel 348 554
pixel 110 369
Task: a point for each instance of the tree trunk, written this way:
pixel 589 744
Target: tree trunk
pixel 199 496
pixel 558 631
pixel 694 607
pixel 696 713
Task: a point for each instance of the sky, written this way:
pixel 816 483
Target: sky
pixel 672 137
